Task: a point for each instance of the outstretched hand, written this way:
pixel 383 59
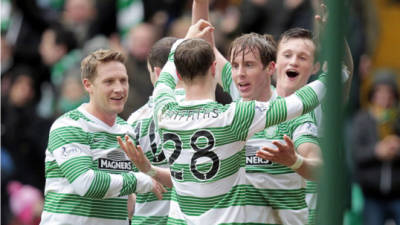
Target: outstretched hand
pixel 285 154
pixel 135 154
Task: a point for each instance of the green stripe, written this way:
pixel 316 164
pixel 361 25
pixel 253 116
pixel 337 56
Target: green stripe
pixel 274 169
pixel 99 186
pixel 53 170
pixel 75 167
pixel 151 197
pixel 153 220
pixel 75 135
pixel 226 77
pixel 277 112
pixel 129 184
pixel 166 79
pixel 241 195
pixel 112 208
pixel 308 97
pixel 311 187
pixel 312 217
pixel 306 139
pixel 244 115
pixel 173 221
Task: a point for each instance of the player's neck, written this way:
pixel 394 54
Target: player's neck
pixel 107 118
pixel 199 91
pixel 263 97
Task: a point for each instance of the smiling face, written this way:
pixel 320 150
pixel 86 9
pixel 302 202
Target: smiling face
pixel 294 64
pixel 108 89
pixel 251 77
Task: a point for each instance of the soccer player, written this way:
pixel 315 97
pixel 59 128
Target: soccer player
pixel 296 62
pixel 277 185
pixel 149 209
pixel 203 140
pixel 88 175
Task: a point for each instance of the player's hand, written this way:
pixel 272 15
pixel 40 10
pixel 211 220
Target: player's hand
pixel 284 155
pixel 158 189
pixel 135 153
pixel 201 29
pixel 321 18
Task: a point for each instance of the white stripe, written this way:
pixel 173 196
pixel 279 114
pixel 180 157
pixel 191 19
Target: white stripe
pixel 319 89
pixel 223 152
pixel 311 200
pixel 294 106
pixel 69 151
pixel 215 188
pixel 59 185
pixel 199 120
pixel 288 181
pixel 82 183
pixel 115 186
pixel 154 208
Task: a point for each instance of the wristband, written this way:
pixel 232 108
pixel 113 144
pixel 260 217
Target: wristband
pixel 298 163
pixel 152 172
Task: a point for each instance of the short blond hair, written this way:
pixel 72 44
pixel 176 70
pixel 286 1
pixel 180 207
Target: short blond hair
pixel 89 63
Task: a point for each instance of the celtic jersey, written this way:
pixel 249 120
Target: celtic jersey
pixel 148 209
pixel 203 142
pixel 278 192
pixel 88 176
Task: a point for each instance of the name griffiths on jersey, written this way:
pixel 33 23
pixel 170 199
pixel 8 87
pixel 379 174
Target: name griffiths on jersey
pixel 191 114
pixel 114 164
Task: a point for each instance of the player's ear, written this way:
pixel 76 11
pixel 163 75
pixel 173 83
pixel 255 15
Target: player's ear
pixel 157 71
pixel 87 84
pixel 213 68
pixel 271 68
pixel 316 68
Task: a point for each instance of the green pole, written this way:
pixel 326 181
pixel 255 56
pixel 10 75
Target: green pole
pixel 332 192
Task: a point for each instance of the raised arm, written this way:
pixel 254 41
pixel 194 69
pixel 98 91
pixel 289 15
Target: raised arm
pixel 200 10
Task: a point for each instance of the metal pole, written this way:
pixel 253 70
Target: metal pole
pixel 332 192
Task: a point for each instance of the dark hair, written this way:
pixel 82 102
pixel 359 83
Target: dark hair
pixel 89 63
pixel 63 36
pixel 193 57
pixel 386 77
pixel 158 54
pixel 265 44
pixel 300 33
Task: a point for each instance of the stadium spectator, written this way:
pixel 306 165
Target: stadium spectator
pixel 376 150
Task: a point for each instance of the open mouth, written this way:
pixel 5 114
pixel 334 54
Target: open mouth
pixel 117 98
pixel 292 73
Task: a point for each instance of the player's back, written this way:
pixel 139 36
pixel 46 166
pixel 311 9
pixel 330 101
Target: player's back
pixel 203 142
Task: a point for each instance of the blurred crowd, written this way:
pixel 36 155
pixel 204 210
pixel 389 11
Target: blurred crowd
pixel 43 42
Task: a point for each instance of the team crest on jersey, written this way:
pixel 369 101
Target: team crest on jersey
pixel 271 131
pixel 70 151
pixel 262 107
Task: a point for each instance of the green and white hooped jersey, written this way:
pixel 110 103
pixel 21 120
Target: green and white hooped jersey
pixel 88 175
pixel 203 142
pixel 280 188
pixel 279 192
pixel 148 209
